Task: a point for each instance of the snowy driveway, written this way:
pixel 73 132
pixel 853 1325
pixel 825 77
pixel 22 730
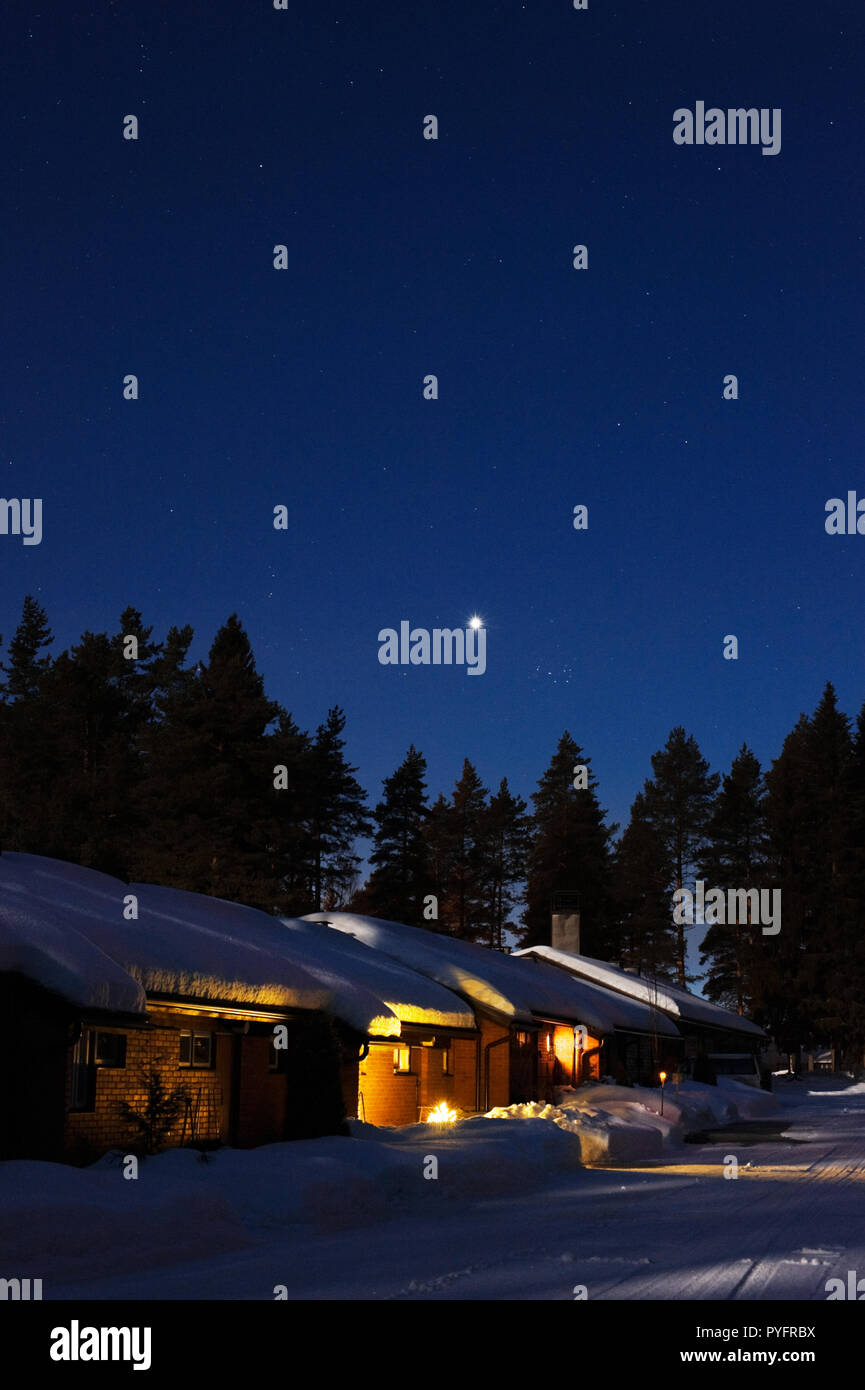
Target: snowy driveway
pixel 793 1218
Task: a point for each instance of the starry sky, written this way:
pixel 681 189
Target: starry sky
pixel 406 257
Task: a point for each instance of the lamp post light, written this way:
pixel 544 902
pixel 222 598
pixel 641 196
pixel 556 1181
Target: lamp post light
pixel 663 1076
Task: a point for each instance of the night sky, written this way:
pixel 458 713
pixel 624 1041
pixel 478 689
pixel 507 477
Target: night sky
pixel 407 257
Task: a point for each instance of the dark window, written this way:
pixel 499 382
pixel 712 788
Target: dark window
pixel 277 1058
pixel 196 1050
pixel 110 1050
pixel 83 1095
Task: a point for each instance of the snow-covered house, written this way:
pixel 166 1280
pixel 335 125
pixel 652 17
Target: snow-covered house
pixel 705 1027
pixel 433 1058
pixel 539 1027
pixel 102 982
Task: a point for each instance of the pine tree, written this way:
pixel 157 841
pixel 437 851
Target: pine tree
pixel 440 850
pixel 678 803
pixel 206 797
pixel 570 851
pixel 26 666
pixel 400 878
pixel 26 773
pixel 644 938
pixel 287 813
pixel 505 835
pixel 809 822
pixel 847 972
pixel 464 905
pixel 338 814
pixel 735 857
pixel 777 979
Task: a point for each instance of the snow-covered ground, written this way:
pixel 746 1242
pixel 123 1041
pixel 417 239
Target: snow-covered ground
pixel 512 1213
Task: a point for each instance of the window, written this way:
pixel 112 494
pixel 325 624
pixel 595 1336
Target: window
pixel 277 1059
pixel 196 1050
pixel 402 1059
pixel 109 1050
pixel 448 1062
pixel 83 1095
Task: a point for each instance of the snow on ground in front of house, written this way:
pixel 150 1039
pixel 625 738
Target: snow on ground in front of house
pixel 62 1223
pixel 617 1124
pixel 511 1215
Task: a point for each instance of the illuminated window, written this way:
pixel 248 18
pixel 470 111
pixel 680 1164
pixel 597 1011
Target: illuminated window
pixel 196 1050
pixel 402 1059
pixel 448 1062
pixel 549 1043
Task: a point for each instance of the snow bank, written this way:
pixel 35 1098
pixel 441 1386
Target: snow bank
pixel 750 1103
pixel 604 1136
pixel 616 1124
pixel 59 1223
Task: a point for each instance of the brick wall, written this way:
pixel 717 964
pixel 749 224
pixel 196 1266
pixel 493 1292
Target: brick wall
pixel 385 1098
pixel 389 1098
pixel 90 1133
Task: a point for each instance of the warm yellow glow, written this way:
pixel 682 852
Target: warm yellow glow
pixel 663 1076
pixel 441 1115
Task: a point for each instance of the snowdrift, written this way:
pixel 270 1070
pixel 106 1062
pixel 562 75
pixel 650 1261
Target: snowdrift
pixel 60 1224
pixel 619 1124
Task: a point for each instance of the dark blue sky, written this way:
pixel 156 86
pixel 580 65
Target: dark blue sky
pixel 409 257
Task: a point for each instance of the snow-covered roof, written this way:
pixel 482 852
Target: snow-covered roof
pixel 412 997
pixel 675 1002
pixel 64 927
pixel 519 990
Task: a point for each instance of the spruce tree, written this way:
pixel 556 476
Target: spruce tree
pixel 27 772
pixel 644 939
pixel 505 834
pixel 287 811
pixel 207 792
pixel 26 665
pixel 400 877
pixel 570 851
pixel 440 852
pixel 678 803
pixel 847 972
pixel 464 906
pixel 735 857
pixel 809 824
pixel 338 815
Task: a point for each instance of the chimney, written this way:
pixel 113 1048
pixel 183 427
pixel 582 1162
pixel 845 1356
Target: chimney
pixel 565 922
